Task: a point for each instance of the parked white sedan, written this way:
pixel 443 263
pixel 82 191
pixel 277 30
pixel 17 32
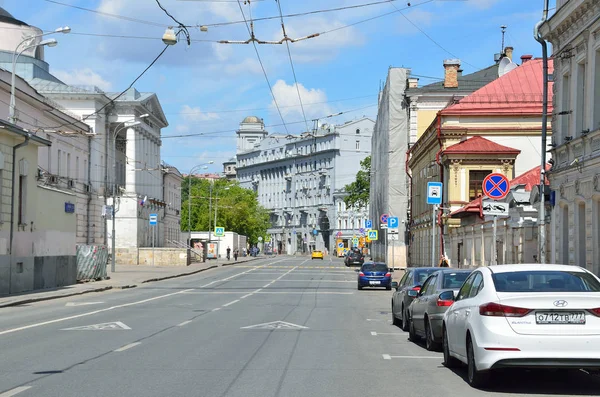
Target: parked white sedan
pixel 524 316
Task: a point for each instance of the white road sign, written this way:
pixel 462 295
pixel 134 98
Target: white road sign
pixel 497 208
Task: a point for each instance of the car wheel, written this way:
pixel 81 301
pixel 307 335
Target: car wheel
pixel 430 343
pixel 412 334
pixel 475 377
pixel 405 322
pixel 359 287
pixel 449 361
pixel 389 287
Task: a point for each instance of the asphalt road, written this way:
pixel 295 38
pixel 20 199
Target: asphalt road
pixel 280 327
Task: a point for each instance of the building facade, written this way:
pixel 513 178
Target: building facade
pixel 229 169
pixel 496 129
pixel 172 180
pixel 296 178
pixel 574 31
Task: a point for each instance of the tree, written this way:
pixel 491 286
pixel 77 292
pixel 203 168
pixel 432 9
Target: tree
pixel 359 190
pixel 237 208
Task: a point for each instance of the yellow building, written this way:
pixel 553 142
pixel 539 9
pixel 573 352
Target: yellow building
pixel 495 129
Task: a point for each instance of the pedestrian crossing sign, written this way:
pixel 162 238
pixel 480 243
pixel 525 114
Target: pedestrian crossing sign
pixel 219 231
pixel 372 235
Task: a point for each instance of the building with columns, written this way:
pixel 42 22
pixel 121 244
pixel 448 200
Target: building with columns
pixel 574 31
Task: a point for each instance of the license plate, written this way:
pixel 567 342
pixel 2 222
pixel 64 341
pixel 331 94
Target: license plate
pixel 560 317
pixel 374 282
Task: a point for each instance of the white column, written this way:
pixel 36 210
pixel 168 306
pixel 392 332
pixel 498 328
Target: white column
pixel 131 150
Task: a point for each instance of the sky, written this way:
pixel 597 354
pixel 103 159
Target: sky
pixel 207 88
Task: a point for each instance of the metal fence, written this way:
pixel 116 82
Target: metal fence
pixel 91 262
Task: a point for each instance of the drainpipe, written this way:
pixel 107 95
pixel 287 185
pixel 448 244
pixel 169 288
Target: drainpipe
pixel 409 223
pixel 437 160
pixel 107 136
pixel 12 200
pixel 542 213
pixel 89 200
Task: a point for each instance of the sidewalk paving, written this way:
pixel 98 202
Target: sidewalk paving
pixel 126 276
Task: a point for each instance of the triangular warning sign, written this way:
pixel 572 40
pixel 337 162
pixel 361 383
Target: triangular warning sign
pixel 114 326
pixel 282 325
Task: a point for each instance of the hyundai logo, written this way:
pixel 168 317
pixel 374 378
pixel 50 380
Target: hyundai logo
pixel 560 303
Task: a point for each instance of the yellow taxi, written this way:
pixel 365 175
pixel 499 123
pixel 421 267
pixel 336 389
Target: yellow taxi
pixel 317 255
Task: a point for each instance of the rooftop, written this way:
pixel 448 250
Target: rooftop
pixel 478 144
pixel 468 82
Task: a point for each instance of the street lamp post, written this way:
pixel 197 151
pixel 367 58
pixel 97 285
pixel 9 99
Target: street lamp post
pixel 17 54
pixel 132 123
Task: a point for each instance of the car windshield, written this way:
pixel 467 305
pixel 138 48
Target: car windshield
pixel 454 280
pixel 375 267
pixel 421 275
pixel 545 281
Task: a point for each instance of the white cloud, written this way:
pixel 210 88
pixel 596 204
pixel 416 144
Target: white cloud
pixel 195 114
pixel 289 104
pixel 85 76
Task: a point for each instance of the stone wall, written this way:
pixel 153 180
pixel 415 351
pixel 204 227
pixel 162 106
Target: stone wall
pixel 143 256
pixel 33 273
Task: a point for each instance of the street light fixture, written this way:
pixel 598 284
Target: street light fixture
pixel 132 123
pixel 17 54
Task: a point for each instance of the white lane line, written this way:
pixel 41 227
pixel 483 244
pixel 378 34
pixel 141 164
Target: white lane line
pixel 184 323
pixel 388 333
pixel 231 303
pixel 373 333
pixel 305 292
pixel 15 391
pixel 386 357
pixel 216 309
pixel 129 346
pixel 300 281
pixel 58 320
pixel 413 357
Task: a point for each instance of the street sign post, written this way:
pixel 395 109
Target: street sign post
pixel 392 222
pixel 384 218
pixel 368 224
pixel 355 242
pixel 372 235
pixel 219 231
pixel 153 220
pixel 434 196
pixel 494 208
pixel 495 186
pixel 391 232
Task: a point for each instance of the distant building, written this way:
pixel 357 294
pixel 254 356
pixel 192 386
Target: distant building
pixel 299 179
pixel 172 180
pixel 574 238
pixel 229 169
pixel 207 176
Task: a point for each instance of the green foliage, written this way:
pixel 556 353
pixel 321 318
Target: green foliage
pixel 359 190
pixel 237 208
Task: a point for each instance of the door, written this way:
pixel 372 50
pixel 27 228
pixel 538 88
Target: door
pixel 397 297
pixel 421 301
pixel 456 310
pixel 464 315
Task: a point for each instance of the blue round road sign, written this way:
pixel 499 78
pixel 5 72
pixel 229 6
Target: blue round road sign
pixel 496 186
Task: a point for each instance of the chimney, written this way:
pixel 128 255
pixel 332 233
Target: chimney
pixel 508 52
pixel 526 58
pixel 413 82
pixel 451 67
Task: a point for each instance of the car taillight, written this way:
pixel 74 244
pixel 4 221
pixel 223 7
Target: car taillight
pixel 595 312
pixel 388 274
pixel 441 302
pixel 496 309
pixel 361 274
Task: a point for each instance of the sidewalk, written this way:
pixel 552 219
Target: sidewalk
pixel 125 277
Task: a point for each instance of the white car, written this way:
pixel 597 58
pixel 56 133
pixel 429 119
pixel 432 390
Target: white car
pixel 535 315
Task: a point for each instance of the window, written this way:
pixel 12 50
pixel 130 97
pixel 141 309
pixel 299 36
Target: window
pixel 429 286
pixel 477 285
pixel 565 235
pixel 22 198
pixel 59 162
pixel 596 103
pixel 77 176
pixel 545 281
pixel 581 93
pixel 357 145
pixel 454 280
pixel 421 275
pixel 463 293
pixel 68 165
pixel 581 235
pixel 475 183
pixel 357 131
pixel 566 104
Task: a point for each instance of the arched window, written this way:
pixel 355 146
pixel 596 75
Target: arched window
pixel 357 131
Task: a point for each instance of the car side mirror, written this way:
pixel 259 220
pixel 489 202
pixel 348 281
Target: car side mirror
pixel 395 284
pixel 446 296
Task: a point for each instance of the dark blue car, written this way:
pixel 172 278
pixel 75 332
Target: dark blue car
pixel 374 274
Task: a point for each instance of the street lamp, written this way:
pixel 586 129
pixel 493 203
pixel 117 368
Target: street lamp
pixel 17 54
pixel 197 167
pixel 131 122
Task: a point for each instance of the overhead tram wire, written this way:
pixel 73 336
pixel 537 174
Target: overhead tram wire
pixel 429 37
pixel 287 44
pixel 251 33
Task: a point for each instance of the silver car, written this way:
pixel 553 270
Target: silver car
pixel 427 310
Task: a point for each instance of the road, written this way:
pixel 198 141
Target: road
pixel 280 327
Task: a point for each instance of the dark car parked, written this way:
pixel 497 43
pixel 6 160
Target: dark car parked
pixel 406 290
pixel 427 309
pixel 354 258
pixel 374 274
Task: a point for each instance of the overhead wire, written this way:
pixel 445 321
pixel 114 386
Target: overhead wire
pixel 181 26
pixel 250 30
pixel 287 44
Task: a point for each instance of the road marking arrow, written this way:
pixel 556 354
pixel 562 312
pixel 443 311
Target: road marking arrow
pixel 116 325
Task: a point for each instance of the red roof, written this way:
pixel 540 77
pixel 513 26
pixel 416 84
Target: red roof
pixel 478 144
pixel 529 179
pixel 517 92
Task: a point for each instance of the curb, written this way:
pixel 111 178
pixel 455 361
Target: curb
pixel 179 275
pixel 50 297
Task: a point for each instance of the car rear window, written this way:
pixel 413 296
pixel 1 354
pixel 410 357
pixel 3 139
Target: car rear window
pixel 421 275
pixel 375 267
pixel 545 281
pixel 454 280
